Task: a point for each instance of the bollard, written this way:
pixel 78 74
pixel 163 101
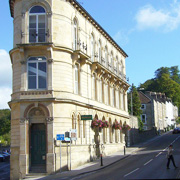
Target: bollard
pixel 124 150
pixel 101 160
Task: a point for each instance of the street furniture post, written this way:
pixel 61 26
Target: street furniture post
pixel 101 160
pixel 124 150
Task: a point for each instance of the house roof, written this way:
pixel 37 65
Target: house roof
pixel 143 98
pixel 88 17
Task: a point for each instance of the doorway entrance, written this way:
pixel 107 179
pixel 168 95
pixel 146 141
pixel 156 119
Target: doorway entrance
pixel 38 147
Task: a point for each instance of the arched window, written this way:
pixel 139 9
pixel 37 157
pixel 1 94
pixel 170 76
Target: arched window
pixel 76 79
pixel 99 51
pixel 115 65
pixel 92 47
pixel 106 57
pixel 93 87
pixel 117 98
pixel 110 131
pixel 37 24
pixel 111 62
pixel 120 69
pixel 113 96
pixel 100 90
pixel 84 129
pixel 75 34
pixel 78 127
pixel 73 122
pixel 37 73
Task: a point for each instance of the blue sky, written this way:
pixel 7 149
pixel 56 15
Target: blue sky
pixel 147 30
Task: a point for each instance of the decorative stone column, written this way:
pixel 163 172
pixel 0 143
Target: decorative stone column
pixel 50 156
pixel 50 67
pixel 23 157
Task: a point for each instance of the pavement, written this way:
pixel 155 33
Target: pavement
pixel 95 165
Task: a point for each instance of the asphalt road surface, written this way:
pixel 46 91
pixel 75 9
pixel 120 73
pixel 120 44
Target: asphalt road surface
pixel 4 171
pixel 148 163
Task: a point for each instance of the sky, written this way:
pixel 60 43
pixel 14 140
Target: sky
pixel 147 30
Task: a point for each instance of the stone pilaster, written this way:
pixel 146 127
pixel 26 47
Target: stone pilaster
pixel 50 157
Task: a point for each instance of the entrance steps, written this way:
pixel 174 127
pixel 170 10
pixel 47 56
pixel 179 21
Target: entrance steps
pixel 33 176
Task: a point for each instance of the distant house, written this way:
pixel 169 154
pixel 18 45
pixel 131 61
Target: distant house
pixel 147 116
pixel 158 110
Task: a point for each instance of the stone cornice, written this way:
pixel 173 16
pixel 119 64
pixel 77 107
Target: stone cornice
pixel 86 15
pixel 96 25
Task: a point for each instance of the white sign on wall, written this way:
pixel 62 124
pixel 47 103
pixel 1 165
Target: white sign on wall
pixel 73 134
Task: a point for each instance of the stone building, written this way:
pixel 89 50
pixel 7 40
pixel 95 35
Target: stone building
pixel 158 110
pixel 64 65
pixel 147 116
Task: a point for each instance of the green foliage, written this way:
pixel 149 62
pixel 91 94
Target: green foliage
pixel 159 72
pixel 178 120
pixel 167 80
pixel 5 139
pixel 5 121
pixel 174 74
pixel 136 104
pixel 140 124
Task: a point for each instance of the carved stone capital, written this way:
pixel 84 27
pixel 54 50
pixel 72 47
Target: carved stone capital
pixel 49 13
pixel 23 120
pixel 50 61
pixel 23 62
pixel 49 119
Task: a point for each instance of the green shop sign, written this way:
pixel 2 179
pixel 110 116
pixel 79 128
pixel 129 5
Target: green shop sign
pixel 86 117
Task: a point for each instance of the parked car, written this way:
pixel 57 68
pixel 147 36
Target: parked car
pixel 176 131
pixel 6 155
pixel 2 158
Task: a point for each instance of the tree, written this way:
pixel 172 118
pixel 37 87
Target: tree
pixel 5 121
pixel 167 80
pixel 136 103
pixel 159 72
pixel 174 74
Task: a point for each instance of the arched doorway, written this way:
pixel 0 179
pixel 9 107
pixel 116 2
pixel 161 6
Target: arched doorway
pixel 37 140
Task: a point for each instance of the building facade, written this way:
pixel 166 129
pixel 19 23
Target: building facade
pixel 158 110
pixel 64 65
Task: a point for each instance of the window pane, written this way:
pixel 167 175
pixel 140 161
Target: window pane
pixel 32 21
pixel 41 21
pixel 76 73
pixel 41 82
pixel 32 35
pixel 32 82
pixel 37 9
pixel 41 35
pixel 42 69
pixel 31 69
pixel 42 75
pixel 76 87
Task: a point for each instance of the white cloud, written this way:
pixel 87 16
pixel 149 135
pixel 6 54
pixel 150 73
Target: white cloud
pixel 5 69
pixel 5 79
pixel 5 97
pixel 121 37
pixel 150 18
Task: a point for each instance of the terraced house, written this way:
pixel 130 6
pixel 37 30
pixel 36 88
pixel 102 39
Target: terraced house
pixel 65 65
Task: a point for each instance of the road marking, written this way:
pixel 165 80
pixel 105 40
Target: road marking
pixel 159 154
pixel 148 162
pixel 131 172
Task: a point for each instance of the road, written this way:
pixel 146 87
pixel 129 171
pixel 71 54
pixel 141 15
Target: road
pixel 4 170
pixel 148 163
